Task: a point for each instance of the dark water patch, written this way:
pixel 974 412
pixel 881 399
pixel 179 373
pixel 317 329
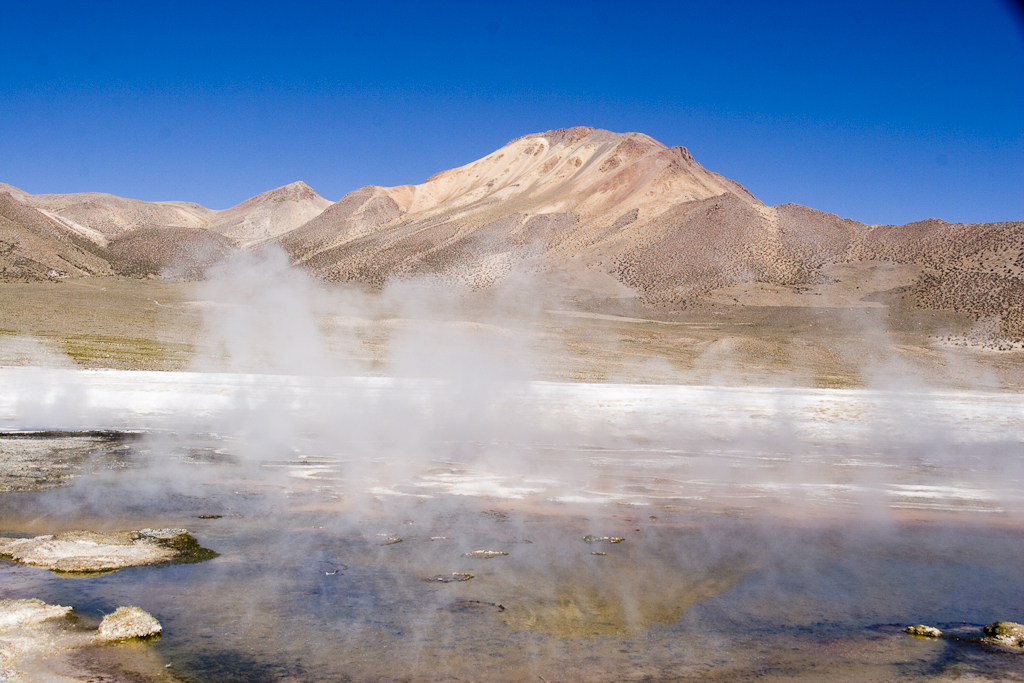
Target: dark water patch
pixel 228 666
pixel 188 549
pixel 110 435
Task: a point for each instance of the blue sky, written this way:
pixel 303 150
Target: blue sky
pixel 885 112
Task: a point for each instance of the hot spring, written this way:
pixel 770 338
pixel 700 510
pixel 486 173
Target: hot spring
pixel 430 529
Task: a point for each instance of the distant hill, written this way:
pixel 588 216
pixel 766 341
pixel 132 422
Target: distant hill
pixel 585 212
pixel 136 238
pixel 269 215
pixel 111 216
pixel 35 246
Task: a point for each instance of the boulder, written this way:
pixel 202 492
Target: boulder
pixel 128 622
pixel 1006 633
pixel 923 631
pixel 90 551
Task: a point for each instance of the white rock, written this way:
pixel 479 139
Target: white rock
pixel 128 622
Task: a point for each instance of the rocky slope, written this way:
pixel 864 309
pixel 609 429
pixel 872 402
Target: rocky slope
pixel 35 246
pixel 62 235
pixel 100 216
pixel 975 269
pixel 269 215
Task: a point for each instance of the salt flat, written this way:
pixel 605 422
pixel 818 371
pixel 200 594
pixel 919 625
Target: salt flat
pixel 55 399
pixel 564 443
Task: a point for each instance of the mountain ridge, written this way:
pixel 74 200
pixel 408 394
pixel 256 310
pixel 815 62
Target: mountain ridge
pixel 580 210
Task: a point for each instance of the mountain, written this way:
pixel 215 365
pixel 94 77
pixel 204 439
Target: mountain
pixel 973 269
pixel 582 212
pixel 616 214
pixel 136 238
pixel 604 214
pixel 35 246
pixel 579 202
pixel 269 215
pixel 111 216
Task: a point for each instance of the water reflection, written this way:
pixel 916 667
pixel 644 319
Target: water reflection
pixel 312 584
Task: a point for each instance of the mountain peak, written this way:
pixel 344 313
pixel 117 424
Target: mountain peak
pixel 569 137
pixel 292 192
pixel 581 170
pixel 270 214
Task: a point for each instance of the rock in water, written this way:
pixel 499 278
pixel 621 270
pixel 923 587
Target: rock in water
pixel 450 578
pixel 591 538
pixel 923 631
pixel 128 622
pixel 485 554
pixel 22 613
pixel 42 642
pixel 89 551
pixel 1006 633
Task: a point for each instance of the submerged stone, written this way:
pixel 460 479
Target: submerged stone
pixel 90 551
pixel 485 554
pixel 591 538
pixel 450 578
pixel 472 606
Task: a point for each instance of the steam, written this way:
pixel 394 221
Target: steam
pixel 422 390
pixel 420 411
pixel 260 315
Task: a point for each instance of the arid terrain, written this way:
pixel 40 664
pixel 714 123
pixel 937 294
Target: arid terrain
pixel 87 320
pixel 610 255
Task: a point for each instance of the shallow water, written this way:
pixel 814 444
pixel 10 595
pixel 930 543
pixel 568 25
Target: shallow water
pixel 769 534
pixel 742 559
